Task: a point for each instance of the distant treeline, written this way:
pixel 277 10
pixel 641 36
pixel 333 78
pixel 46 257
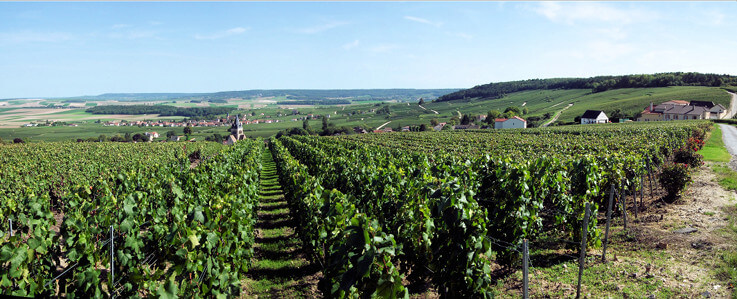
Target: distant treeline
pixel 315 102
pixel 162 110
pixel 596 84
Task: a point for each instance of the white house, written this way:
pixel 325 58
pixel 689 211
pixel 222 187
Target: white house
pixel 510 123
pixel 594 117
pixel 717 112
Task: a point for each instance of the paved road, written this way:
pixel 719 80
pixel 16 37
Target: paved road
pixel 729 135
pixel 732 105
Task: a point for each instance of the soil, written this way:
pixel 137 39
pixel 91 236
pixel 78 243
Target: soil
pixel 704 206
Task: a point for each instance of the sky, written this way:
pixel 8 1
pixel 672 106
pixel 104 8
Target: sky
pixel 51 49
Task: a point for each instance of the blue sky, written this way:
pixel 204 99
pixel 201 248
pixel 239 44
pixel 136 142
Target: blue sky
pixel 68 49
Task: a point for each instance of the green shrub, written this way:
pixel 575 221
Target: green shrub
pixel 688 156
pixel 674 179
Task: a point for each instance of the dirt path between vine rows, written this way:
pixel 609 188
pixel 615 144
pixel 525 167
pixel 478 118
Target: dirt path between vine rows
pixel 280 268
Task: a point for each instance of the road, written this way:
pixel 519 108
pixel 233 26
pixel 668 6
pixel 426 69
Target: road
pixel 732 105
pixel 729 136
pixel 423 108
pixel 557 114
pixel 386 123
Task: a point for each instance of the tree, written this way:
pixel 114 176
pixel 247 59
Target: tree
pixel 170 133
pixel 465 119
pixel 514 110
pixel 525 111
pixel 128 137
pixel 434 122
pixel 102 138
pixel 422 101
pixel 187 130
pixel 453 121
pixel 18 140
pixel 139 137
pixel 324 123
pixel 306 125
pixel 423 127
pixel 492 115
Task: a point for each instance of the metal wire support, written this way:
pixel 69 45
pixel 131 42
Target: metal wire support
pixel 112 258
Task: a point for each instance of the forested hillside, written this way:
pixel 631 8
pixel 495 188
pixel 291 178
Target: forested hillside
pixel 596 84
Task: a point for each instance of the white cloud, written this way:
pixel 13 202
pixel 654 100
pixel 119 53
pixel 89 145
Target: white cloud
pixel 423 21
pixel 27 36
pixel 222 34
pixel 350 45
pixel 320 28
pixel 572 12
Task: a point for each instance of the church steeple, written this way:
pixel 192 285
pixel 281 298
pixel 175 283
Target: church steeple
pixel 237 129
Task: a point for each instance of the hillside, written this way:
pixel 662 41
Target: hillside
pixel 594 84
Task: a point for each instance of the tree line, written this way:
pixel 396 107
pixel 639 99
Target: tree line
pixel 161 110
pixel 596 84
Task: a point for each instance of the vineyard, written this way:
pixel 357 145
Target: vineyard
pixel 379 213
pixel 445 208
pixel 134 219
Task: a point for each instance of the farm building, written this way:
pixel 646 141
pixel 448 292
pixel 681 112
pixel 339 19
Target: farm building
pixel 679 110
pixel 510 123
pixel 594 117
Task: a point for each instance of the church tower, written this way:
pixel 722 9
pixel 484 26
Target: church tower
pixel 237 129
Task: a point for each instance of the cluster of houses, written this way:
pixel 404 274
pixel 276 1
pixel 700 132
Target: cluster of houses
pixel 191 123
pixel 679 110
pixel 670 110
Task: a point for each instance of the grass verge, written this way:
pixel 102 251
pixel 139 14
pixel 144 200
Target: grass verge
pixel 714 149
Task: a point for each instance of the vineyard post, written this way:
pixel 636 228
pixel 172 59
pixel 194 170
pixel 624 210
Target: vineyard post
pixel 525 269
pixel 608 222
pixel 582 259
pixel 112 260
pixel 622 203
pixel 634 198
pixel 11 227
pixel 650 178
pixel 642 190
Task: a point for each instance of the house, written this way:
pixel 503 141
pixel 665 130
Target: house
pixel 510 123
pixel 359 130
pixel 405 129
pixel 594 117
pixel 718 111
pixel 439 127
pixel 681 110
pixel 707 104
pixel 481 117
pixel 152 134
pixel 176 138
